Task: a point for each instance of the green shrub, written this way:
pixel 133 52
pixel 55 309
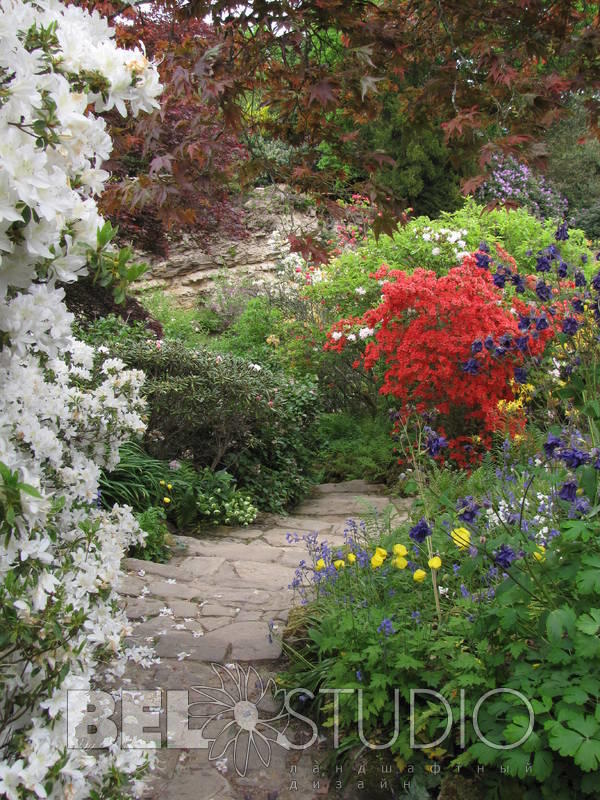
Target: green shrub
pixel 356 447
pixel 135 481
pixel 346 285
pixel 112 330
pixel 221 411
pixel 156 546
pixel 184 325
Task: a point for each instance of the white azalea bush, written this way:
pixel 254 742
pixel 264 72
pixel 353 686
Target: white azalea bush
pixel 64 408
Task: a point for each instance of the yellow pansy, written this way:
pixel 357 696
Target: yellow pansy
pixel 381 552
pixel 539 554
pixel 400 563
pixel 320 565
pixel 376 561
pixel 169 486
pixel 351 558
pixel 419 575
pixel 400 550
pixel 461 538
pixel 434 563
pixel 339 564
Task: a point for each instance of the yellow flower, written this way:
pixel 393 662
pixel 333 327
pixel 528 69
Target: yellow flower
pixel 461 538
pixel 320 565
pixel 381 552
pixel 400 563
pixel 162 483
pixel 419 575
pixel 351 558
pixel 339 564
pixel 376 561
pixel 166 500
pixel 169 486
pixel 539 554
pixel 400 550
pixel 434 563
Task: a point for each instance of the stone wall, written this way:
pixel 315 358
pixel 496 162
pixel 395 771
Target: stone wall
pixel 272 213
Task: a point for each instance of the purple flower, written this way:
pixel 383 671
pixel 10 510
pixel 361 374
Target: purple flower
pixel 542 324
pixel 420 531
pixel 562 234
pixel 577 304
pixel 568 491
pixel 580 279
pixel 467 509
pixel 543 290
pixel 499 279
pixel 504 556
pixel 482 260
pixel 476 347
pixel 596 281
pixel 570 326
pixel 543 264
pixel 524 322
pixel 551 443
pixel 386 627
pixel 435 442
pixel 580 507
pixel 416 615
pixel 522 343
pixel 520 375
pixel 488 343
pixel 562 269
pixel 573 457
pixel 471 367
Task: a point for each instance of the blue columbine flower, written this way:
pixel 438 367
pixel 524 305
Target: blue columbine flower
pixel 467 509
pixel 482 260
pixel 359 676
pixel 524 322
pixel 542 324
pixel 488 343
pixel 580 279
pixel 568 491
pixel 435 442
pixel 476 347
pixel 519 283
pixel 504 556
pixel 577 304
pixel 386 627
pixel 471 367
pixel 543 264
pixel 522 343
pixel 596 282
pixel 551 444
pixel 573 457
pixel 562 234
pixel 562 269
pixel 520 375
pixel 419 532
pixel 484 247
pixel 543 290
pixel 570 326
pixel 580 507
pixel 416 615
pixel 499 279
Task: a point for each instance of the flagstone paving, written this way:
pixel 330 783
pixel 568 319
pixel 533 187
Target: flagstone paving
pixel 225 598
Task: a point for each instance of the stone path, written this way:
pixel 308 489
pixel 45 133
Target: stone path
pixel 215 602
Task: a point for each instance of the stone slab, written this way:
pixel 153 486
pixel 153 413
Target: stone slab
pixel 175 591
pixel 142 607
pixel 201 648
pixel 210 610
pixel 357 486
pixel 238 596
pixel 299 523
pixel 268 576
pixel 342 505
pixel 249 641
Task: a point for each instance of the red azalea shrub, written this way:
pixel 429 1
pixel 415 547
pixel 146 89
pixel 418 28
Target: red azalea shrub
pixel 423 334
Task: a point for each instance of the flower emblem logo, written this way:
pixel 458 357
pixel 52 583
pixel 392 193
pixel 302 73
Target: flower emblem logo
pixel 241 717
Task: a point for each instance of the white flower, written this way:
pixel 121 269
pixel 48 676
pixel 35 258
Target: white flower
pixel 255 367
pixel 182 655
pixel 336 336
pixel 360 290
pixel 436 251
pixel 364 333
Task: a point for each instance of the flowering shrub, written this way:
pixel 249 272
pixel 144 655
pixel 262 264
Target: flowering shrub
pixel 449 344
pixel 511 180
pixel 63 410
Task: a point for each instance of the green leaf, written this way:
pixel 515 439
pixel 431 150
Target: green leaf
pixel 559 622
pixel 589 623
pixel 542 765
pixel 588 480
pixel 588 579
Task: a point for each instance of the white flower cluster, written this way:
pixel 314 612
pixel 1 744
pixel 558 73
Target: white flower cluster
pixel 63 410
pixel 445 236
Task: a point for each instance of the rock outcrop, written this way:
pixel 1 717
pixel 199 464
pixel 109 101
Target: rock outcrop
pixel 272 213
